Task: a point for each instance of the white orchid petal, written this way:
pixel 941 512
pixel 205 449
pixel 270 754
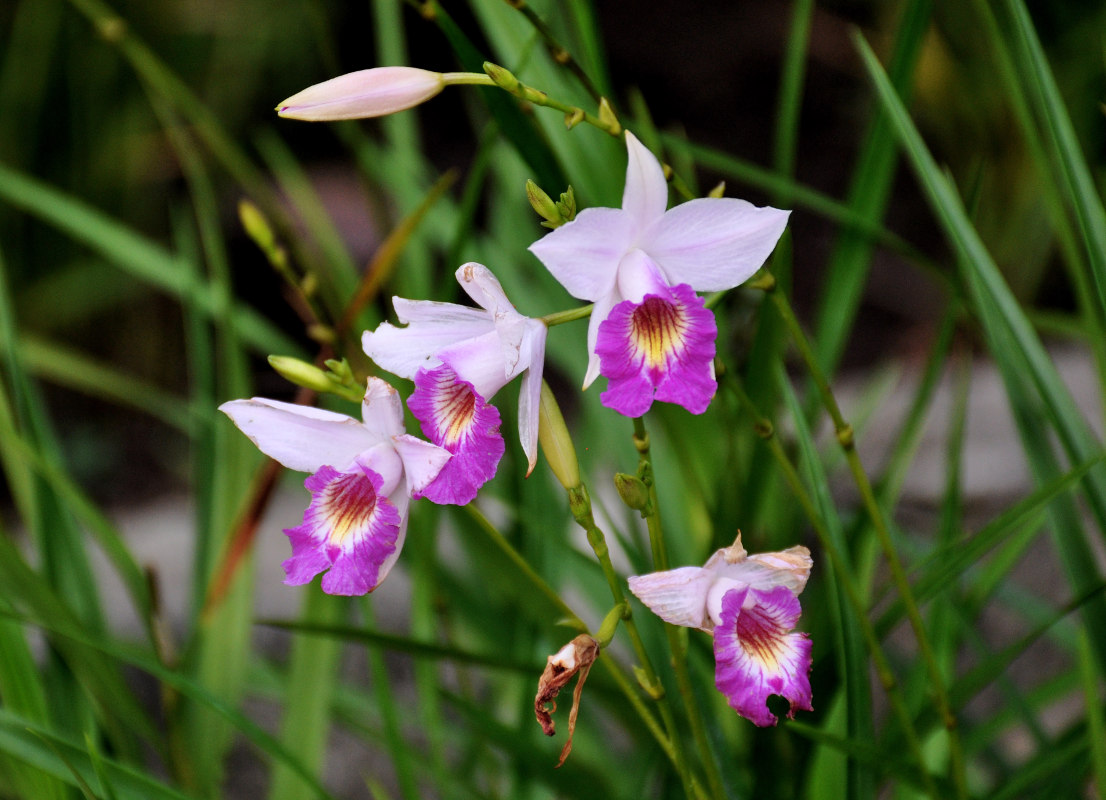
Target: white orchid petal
pixel 437 314
pixel 678 596
pixel 714 244
pixel 529 395
pixel 645 195
pixel 584 254
pixel 299 437
pixel 422 461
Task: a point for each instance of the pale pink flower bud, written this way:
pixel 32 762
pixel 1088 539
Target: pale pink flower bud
pixel 367 93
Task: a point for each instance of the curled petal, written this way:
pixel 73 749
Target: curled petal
pixel 529 394
pixel 662 347
pixel 757 655
pixel 349 528
pixel 678 596
pixel 790 568
pixel 713 244
pixel 458 419
pixel 366 93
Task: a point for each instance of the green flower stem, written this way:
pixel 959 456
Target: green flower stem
pixel 557 51
pixel 561 317
pixel 677 638
pixel 666 741
pixel 580 503
pixel 767 432
pixel 574 115
pixel 846 439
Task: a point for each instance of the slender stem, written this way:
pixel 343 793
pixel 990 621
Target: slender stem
pixel 559 53
pixel 580 503
pixel 677 639
pixel 766 430
pixel 466 79
pixel 574 115
pixel 847 441
pixel 667 742
pixel 561 317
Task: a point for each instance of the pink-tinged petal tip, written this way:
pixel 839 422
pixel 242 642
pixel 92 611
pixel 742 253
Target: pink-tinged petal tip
pixel 757 654
pixel 349 529
pixel 662 348
pixel 366 93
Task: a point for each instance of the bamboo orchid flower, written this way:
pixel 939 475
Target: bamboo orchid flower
pixel 750 605
pixel 459 357
pixel 363 475
pixel 650 335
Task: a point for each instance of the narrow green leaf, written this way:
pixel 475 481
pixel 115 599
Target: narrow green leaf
pixel 851 652
pixel 139 257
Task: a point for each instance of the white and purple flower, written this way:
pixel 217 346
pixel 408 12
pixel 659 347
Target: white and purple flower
pixel 363 475
pixel 459 357
pixel 649 334
pixel 750 605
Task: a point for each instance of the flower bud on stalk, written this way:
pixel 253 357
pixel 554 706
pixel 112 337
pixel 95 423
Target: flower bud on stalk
pixel 556 442
pixel 366 93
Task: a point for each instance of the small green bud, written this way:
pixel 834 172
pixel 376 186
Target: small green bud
pixel 610 623
pixel 301 373
pixel 341 370
pixel 567 205
pixel 502 77
pixel 543 203
pixel 256 226
pixel 718 191
pixel 574 118
pixel 555 440
pixel 607 117
pixel 632 490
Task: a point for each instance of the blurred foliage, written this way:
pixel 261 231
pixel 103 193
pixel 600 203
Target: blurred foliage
pixel 132 304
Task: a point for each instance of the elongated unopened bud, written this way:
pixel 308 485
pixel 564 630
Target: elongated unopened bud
pixel 556 442
pixel 366 93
